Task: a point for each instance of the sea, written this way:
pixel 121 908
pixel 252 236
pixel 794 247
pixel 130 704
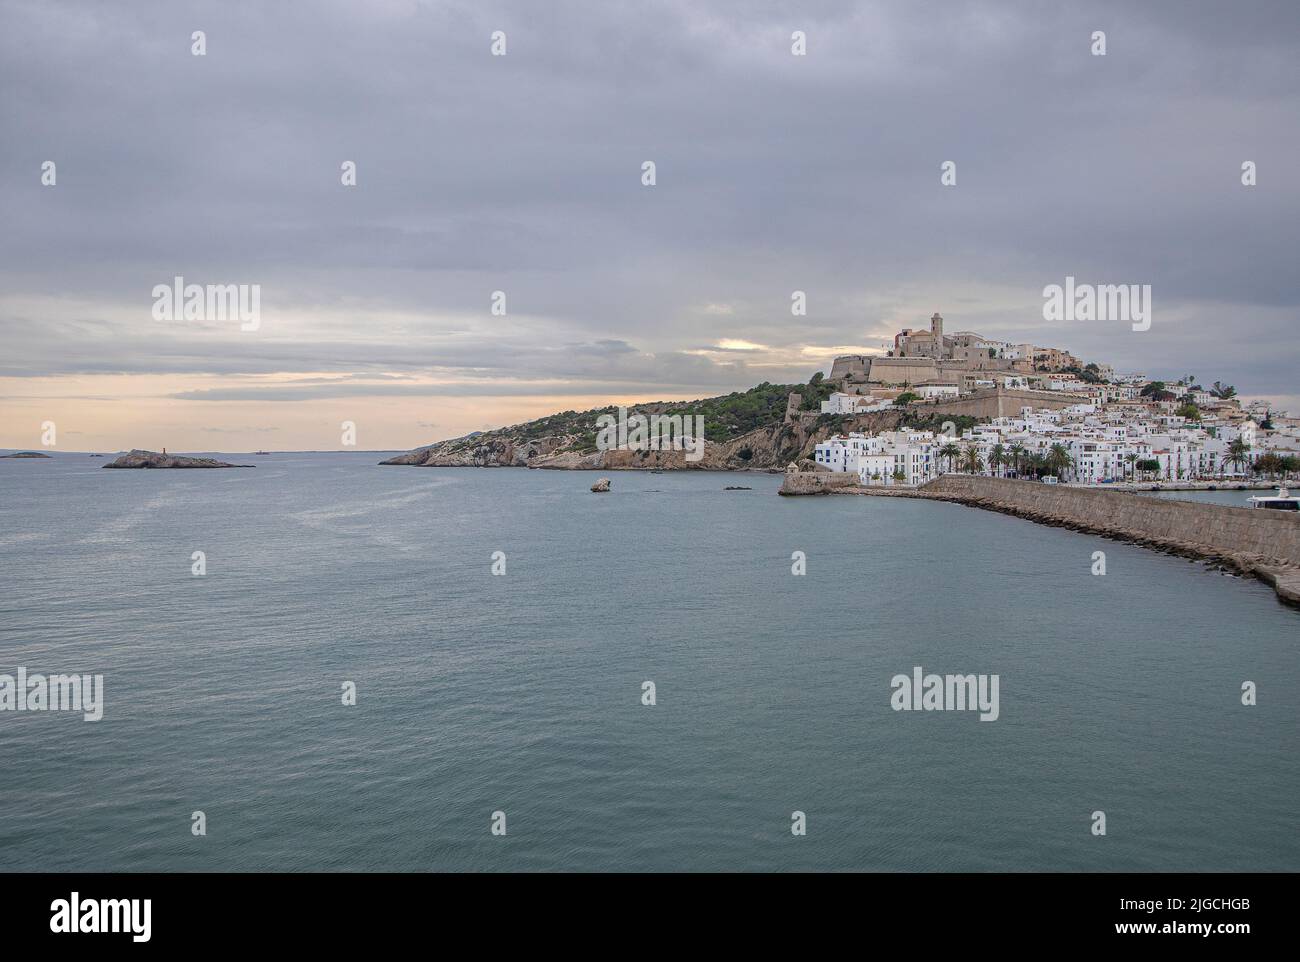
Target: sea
pixel 423 669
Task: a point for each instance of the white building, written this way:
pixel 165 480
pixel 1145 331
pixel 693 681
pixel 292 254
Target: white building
pixel 853 404
pixel 1104 442
pixel 936 390
pixel 891 457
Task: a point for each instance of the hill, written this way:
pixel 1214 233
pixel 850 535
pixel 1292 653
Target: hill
pixel 763 428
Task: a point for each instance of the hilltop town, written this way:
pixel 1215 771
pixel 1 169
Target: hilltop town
pixel 934 402
pixel 1040 412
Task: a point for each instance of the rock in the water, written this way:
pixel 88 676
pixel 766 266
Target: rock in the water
pixel 152 459
pixel 601 485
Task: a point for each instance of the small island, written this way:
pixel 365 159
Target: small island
pixel 25 454
pixel 152 459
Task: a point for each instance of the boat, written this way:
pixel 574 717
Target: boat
pixel 1282 501
pixel 261 452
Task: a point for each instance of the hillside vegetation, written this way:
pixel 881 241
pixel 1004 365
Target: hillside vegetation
pixel 726 417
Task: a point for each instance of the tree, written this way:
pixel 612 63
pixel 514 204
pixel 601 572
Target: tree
pixel 907 397
pixel 972 460
pixel 1238 453
pixel 948 452
pixel 1147 465
pixel 1223 391
pixel 1089 373
pixel 1058 459
pixel 1189 411
pixel 1017 457
pixel 997 458
pixel 1130 460
pixel 1155 387
pixel 1270 464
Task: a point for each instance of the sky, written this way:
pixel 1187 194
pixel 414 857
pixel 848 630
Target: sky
pixel 523 173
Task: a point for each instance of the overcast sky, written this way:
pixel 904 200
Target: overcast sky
pixel 522 173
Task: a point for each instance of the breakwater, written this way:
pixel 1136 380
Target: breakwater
pixel 818 482
pixel 1264 544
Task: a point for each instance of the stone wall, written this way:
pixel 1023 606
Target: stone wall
pixel 817 482
pixel 849 366
pixel 1001 402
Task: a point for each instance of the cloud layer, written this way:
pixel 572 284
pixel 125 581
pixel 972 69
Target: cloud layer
pixel 521 174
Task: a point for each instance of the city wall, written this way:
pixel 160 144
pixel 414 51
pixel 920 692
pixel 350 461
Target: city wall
pixel 817 482
pixel 1001 402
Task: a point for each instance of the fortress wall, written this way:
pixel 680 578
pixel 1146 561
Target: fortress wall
pixel 817 482
pixel 1002 402
pixel 902 370
pixel 849 365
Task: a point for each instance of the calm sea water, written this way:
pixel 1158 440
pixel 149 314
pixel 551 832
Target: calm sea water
pixel 521 693
pixel 1231 497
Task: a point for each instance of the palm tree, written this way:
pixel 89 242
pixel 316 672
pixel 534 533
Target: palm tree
pixel 1238 453
pixel 948 452
pixel 997 458
pixel 1017 457
pixel 1058 459
pixel 1224 391
pixel 972 460
pixel 1130 459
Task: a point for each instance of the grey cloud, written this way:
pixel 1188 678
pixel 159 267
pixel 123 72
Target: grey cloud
pixel 775 173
